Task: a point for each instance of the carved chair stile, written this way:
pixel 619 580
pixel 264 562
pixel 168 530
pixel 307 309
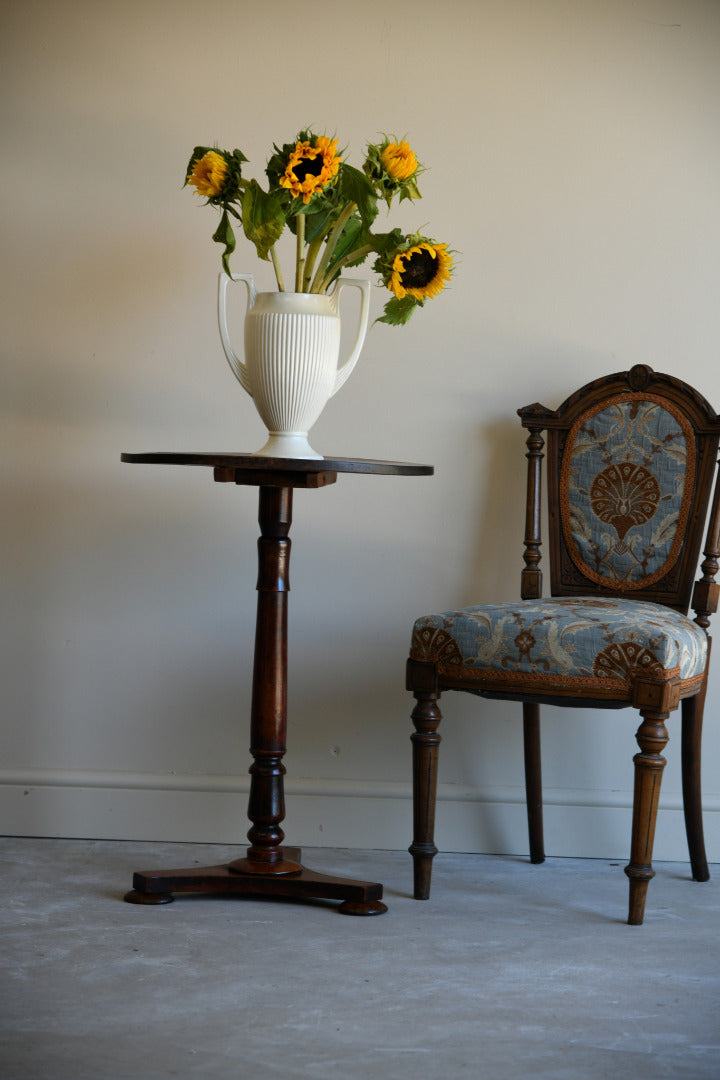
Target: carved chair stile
pixel 631 464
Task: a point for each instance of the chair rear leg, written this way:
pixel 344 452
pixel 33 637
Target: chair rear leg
pixel 652 738
pixel 533 780
pixel 692 721
pixel 426 717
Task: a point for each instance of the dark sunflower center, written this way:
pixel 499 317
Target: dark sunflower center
pixel 419 269
pixel 308 167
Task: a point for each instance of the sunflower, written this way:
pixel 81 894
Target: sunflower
pixel 311 167
pixel 208 174
pixel 398 160
pixel 420 271
pixel 392 168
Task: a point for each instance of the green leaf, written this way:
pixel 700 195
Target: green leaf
pixel 397 312
pixel 387 242
pixel 225 235
pixel 353 236
pixel 318 223
pixel 410 190
pixel 354 186
pixel 263 218
pixel 277 165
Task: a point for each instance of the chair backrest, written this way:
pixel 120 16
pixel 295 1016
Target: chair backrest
pixel 631 463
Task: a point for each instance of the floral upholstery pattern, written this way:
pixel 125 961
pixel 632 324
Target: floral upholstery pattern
pixel 623 496
pixel 588 642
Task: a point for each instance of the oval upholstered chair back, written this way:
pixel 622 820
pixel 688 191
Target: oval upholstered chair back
pixel 630 463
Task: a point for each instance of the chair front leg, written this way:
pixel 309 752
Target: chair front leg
pixel 426 717
pixel 652 738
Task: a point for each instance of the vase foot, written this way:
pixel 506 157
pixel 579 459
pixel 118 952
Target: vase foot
pixel 294 445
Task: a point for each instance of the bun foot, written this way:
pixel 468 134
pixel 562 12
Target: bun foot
pixel 136 897
pixel 356 907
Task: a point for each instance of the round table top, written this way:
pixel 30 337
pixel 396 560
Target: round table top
pixel 257 463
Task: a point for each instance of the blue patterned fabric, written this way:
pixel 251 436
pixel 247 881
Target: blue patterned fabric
pixel 591 641
pixel 623 495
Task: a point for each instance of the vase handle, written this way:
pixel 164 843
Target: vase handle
pixel 344 370
pixel 238 368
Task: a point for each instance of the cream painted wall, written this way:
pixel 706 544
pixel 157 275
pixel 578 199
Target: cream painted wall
pixel 574 153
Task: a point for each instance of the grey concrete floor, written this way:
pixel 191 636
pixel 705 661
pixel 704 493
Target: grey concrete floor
pixel 509 971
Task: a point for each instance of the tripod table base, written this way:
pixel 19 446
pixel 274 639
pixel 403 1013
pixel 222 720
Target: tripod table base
pixel 161 886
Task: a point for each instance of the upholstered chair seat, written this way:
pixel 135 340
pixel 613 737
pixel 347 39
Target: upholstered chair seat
pixel 594 644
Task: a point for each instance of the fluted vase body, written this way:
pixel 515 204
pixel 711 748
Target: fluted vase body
pixel 292 348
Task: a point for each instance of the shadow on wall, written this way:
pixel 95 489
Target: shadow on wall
pixel 499 521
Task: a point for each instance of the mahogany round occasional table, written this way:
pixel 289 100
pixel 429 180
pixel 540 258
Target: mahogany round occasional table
pixel 268 868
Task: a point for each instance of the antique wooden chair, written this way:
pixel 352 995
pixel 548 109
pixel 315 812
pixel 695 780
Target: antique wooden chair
pixel 631 463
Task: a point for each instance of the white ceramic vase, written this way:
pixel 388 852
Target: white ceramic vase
pixel 292 348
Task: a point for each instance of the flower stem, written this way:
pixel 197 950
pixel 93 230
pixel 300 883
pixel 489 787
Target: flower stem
pixel 312 254
pixel 330 246
pixel 300 259
pixel 276 267
pixel 358 253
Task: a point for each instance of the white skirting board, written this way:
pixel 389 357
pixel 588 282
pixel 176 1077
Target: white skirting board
pixel 332 813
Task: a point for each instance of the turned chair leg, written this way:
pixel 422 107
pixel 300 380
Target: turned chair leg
pixel 533 780
pixel 426 717
pixel 692 721
pixel 652 739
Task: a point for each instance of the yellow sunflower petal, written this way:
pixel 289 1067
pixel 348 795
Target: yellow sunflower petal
pixel 208 174
pixel 311 167
pixel 399 160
